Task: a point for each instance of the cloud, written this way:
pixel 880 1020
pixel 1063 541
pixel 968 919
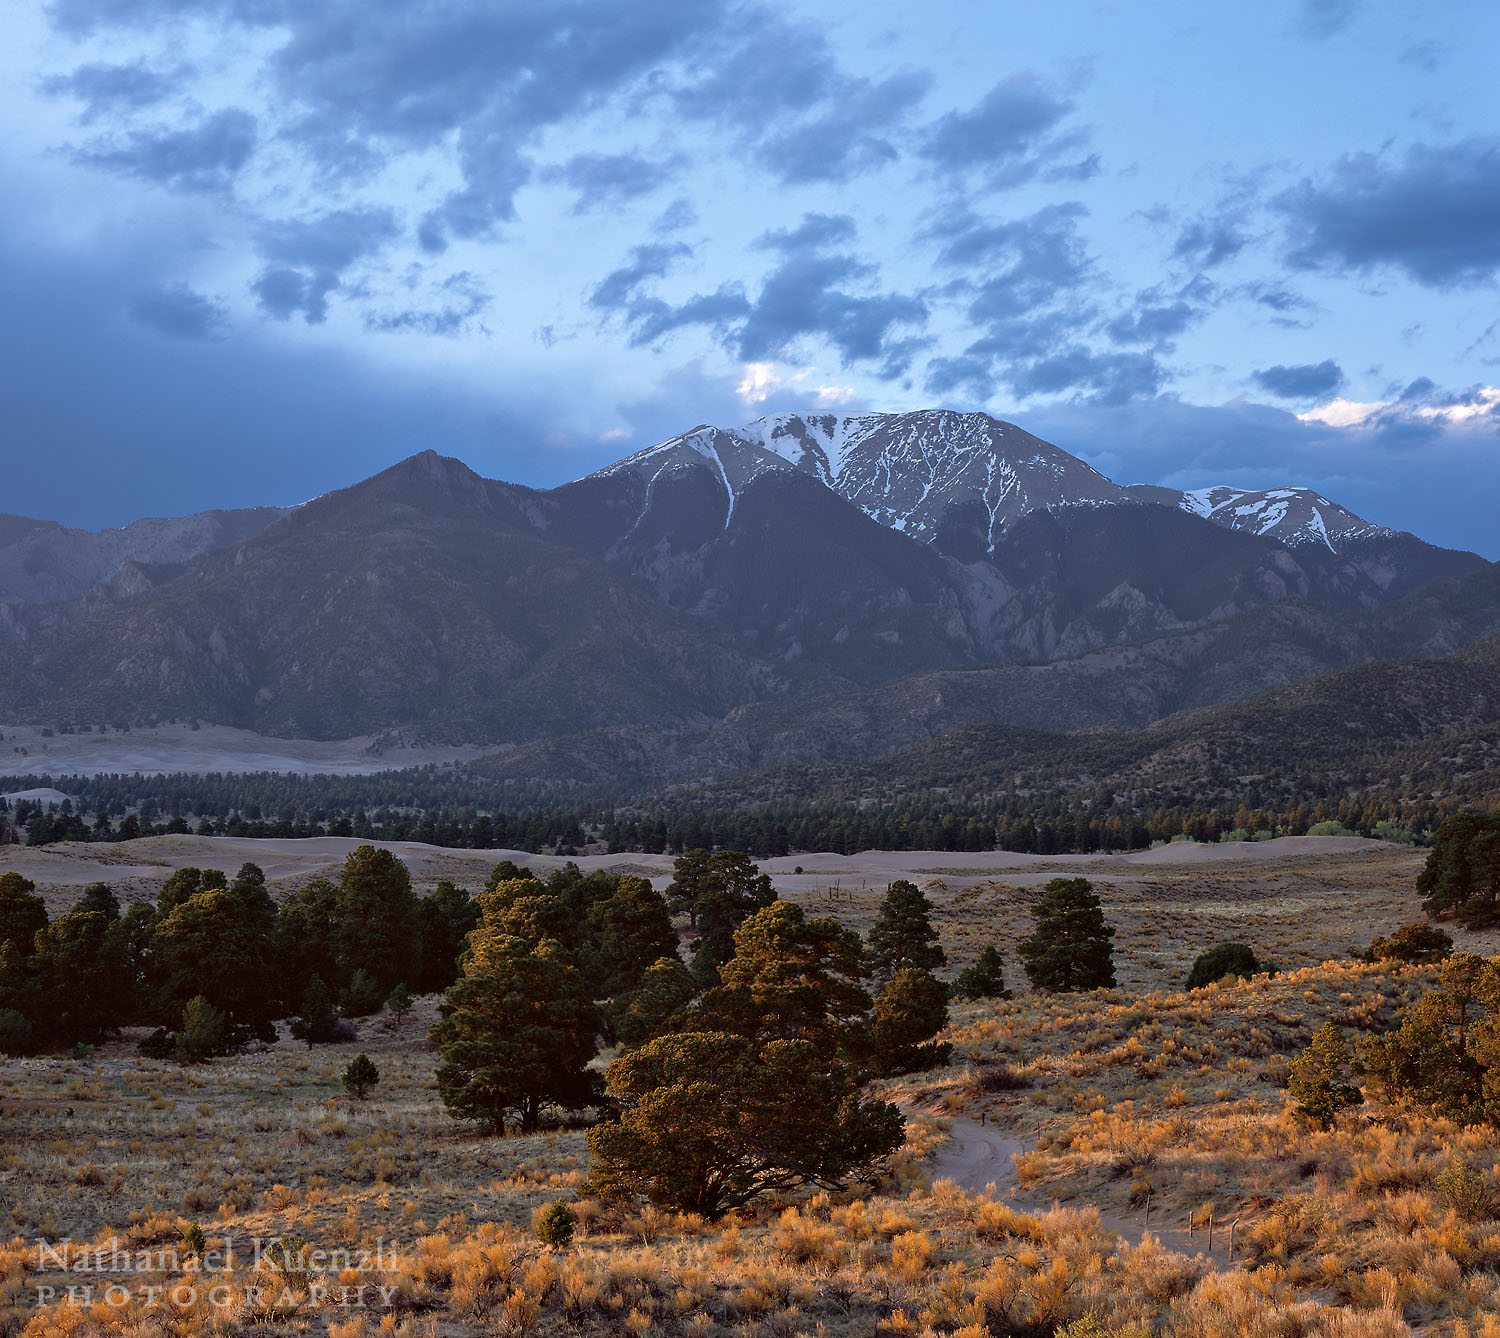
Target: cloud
pixel 308 258
pixel 1206 242
pixel 1420 403
pixel 813 291
pixel 176 310
pixel 202 159
pixel 1435 215
pixel 112 90
pixel 1030 283
pixel 1305 381
pixel 1322 19
pixel 1152 322
pixel 846 140
pixel 1009 123
pixel 611 178
pixel 462 297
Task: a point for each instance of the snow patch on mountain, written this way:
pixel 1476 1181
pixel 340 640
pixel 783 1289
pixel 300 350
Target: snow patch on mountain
pixel 1292 516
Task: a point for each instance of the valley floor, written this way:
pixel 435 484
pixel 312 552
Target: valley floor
pixel 1114 1125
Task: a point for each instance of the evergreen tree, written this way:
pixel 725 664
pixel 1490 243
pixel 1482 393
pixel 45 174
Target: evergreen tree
pixel 185 883
pixel 1226 961
pixel 1457 876
pixel 448 914
pixel 909 1010
pixel 627 932
pixel 213 945
pixel 399 1003
pixel 790 978
pixel 379 923
pixel 1413 943
pixel 203 1033
pixel 656 1004
pixel 1319 1079
pixel 1069 946
pixel 985 979
pixel 718 892
pixel 306 940
pixel 23 914
pixel 902 936
pixel 709 1121
pixel 317 1016
pixel 99 897
pixel 517 1032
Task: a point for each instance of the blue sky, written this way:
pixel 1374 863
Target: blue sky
pixel 255 249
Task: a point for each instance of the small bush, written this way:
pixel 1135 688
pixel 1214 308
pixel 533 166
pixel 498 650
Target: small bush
pixel 1412 943
pixel 555 1225
pixel 360 1077
pixel 1227 959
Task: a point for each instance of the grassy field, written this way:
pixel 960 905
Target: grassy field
pixel 1136 1108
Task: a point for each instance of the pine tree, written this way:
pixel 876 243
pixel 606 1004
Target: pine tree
pixel 399 1003
pixel 22 913
pixel 517 1033
pixel 627 932
pixel 907 1013
pixel 902 936
pixel 661 998
pixel 380 929
pixel 1069 946
pixel 360 1077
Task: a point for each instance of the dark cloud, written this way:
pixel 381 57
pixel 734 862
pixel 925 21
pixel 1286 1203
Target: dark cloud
pixel 360 80
pixel 814 291
pixel 1206 242
pixel 1104 378
pixel 202 159
pixel 622 292
pixel 848 138
pixel 621 286
pixel 808 295
pixel 1153 322
pixel 112 90
pixel 1423 56
pixel 1304 381
pixel 1322 19
pixel 307 259
pixel 462 299
pixel 177 310
pixel 611 178
pixel 1029 282
pixel 1003 135
pixel 1435 215
pixel 813 233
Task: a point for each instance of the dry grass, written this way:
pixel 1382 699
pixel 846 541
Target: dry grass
pixel 1137 1096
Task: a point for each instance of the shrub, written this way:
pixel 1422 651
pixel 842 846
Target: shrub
pixel 985 979
pixel 360 1077
pixel 1415 942
pixel 1227 959
pixel 555 1225
pixel 362 995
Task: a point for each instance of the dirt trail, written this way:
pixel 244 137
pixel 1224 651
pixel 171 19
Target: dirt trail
pixel 980 1155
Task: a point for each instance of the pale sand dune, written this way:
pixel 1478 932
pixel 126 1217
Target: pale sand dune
pixel 162 749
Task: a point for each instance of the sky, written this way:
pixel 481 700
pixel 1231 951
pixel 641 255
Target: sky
pixel 253 250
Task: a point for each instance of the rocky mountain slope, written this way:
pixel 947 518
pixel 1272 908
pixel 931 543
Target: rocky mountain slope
pixel 720 570
pixel 42 561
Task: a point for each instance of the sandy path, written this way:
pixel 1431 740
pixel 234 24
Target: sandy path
pixel 978 1156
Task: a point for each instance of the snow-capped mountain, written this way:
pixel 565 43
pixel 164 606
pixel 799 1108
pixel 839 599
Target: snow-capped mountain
pixel 1295 517
pixel 912 472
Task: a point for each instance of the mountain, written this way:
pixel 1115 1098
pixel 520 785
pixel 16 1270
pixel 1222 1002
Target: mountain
pixel 42 561
pixel 715 573
pixel 1384 563
pixel 1106 694
pixel 920 473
